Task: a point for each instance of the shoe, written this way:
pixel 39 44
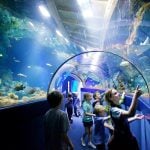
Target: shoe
pixel 82 142
pixel 71 121
pixel 91 145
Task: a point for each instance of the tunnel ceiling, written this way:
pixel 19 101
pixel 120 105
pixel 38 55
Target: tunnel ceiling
pixel 108 22
pixel 84 20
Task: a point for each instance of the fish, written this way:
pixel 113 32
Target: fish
pixel 1 55
pixel 22 75
pixel 93 77
pixel 139 50
pixel 47 64
pixel 28 66
pixel 17 61
pixel 124 64
pixel 31 24
pixel 146 42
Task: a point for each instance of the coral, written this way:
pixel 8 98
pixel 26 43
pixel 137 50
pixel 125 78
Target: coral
pixel 1 94
pixel 7 101
pixel 13 96
pixel 30 90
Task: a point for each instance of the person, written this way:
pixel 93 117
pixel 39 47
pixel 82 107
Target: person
pixel 87 120
pixel 69 106
pixel 122 136
pixel 97 99
pixel 108 107
pixel 56 124
pixel 76 105
pixel 100 122
pixel 121 101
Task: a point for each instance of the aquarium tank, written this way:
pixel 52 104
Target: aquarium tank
pixel 54 44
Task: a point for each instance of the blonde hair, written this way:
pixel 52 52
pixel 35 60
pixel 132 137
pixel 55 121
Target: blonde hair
pixel 99 109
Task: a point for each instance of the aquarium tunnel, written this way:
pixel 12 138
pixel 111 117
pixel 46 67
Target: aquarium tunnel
pixel 73 46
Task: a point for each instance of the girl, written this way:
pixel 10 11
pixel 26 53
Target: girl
pixel 122 136
pixel 87 120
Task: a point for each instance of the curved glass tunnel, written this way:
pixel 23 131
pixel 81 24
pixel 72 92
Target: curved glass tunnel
pixel 99 70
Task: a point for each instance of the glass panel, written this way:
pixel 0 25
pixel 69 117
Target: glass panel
pixel 102 70
pixel 31 49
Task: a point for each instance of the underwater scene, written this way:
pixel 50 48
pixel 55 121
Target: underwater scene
pixel 38 55
pixel 30 52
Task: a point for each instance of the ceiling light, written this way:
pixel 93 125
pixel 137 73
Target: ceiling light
pixel 81 2
pixel 87 13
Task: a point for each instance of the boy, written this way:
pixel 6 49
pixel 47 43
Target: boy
pixel 100 137
pixel 97 99
pixel 56 124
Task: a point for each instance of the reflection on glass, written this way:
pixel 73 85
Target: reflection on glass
pixel 110 71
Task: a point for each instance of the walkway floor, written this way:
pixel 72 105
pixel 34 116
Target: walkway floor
pixel 76 132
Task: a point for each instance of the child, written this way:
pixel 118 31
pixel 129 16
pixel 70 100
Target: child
pixel 56 124
pixel 87 120
pixel 97 99
pixel 76 105
pixel 100 137
pixel 108 107
pixel 122 136
pixel 121 100
pixel 69 106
